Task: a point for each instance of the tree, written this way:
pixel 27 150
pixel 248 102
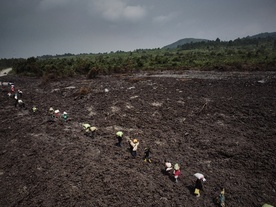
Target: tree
pixel 274 45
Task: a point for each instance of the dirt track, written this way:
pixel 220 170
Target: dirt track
pixel 4 72
pixel 222 127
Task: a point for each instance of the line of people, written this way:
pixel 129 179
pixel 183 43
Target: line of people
pixel 17 96
pixel 55 115
pixel 170 170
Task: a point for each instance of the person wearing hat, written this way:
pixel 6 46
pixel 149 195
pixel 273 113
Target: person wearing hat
pixel 16 100
pixel 65 116
pixel 21 104
pixel 89 130
pixel 12 88
pixel 57 115
pixel 168 167
pixel 119 136
pixel 176 172
pixel 51 112
pixel 88 127
pixel 133 147
pixel 34 109
pixel 19 93
pixel 199 186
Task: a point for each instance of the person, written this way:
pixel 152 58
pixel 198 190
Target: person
pixel 12 88
pixel 57 115
pixel 65 116
pixel 21 104
pixel 89 130
pixel 133 147
pixel 119 136
pixel 267 205
pixel 199 186
pixel 20 93
pixel 34 109
pixel 86 127
pixel 147 155
pixel 222 198
pixel 168 167
pixel 16 101
pixel 176 172
pixel 51 112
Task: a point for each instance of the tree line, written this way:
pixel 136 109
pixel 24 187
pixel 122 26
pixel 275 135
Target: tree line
pixel 239 54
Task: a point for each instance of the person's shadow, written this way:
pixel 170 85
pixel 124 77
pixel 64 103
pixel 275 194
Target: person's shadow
pixel 169 174
pixel 164 172
pixel 216 202
pixel 191 189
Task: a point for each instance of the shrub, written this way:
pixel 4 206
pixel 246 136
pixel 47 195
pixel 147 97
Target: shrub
pixel 84 91
pixel 93 72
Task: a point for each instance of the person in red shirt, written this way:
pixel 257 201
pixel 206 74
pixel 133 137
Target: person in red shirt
pixel 12 88
pixel 176 172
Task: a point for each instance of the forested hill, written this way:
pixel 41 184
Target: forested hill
pixel 183 42
pixel 263 35
pixel 253 53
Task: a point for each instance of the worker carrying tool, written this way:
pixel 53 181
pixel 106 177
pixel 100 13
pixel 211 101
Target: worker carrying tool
pixel 133 146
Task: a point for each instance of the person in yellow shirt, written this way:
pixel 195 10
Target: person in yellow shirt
pixel 89 130
pixel 119 136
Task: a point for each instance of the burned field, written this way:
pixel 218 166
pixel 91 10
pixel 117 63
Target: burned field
pixel 222 125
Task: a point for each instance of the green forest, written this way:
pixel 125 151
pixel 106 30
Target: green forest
pixel 246 54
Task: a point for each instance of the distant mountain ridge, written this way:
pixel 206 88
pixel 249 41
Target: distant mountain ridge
pixel 183 42
pixel 193 40
pixel 263 35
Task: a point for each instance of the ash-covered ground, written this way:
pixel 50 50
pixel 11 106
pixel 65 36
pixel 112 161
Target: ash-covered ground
pixel 222 125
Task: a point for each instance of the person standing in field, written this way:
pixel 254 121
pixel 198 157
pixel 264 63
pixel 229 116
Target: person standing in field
pixel 168 167
pixel 222 198
pixel 119 136
pixel 147 155
pixel 65 116
pixel 176 172
pixel 133 147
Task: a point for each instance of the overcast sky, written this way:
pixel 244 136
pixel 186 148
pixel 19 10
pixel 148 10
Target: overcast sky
pixel 41 27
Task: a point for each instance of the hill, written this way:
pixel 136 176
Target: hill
pixel 195 40
pixel 183 42
pixel 263 35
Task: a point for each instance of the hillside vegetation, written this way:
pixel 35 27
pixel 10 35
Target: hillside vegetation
pixel 242 54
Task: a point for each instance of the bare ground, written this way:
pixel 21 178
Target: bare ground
pixel 220 124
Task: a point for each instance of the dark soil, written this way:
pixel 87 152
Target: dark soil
pixel 222 125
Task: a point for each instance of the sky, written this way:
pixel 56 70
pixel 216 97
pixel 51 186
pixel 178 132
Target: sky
pixel 31 28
